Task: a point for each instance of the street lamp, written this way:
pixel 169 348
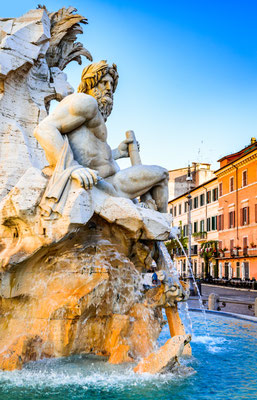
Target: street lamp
pixel 189 202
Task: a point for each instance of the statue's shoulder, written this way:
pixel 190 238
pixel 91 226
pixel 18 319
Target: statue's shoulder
pixel 81 103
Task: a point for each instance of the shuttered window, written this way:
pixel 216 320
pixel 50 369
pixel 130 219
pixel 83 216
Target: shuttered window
pixel 220 222
pixel 231 219
pixel 231 184
pixel 244 178
pixel 202 199
pixel 220 189
pixel 244 216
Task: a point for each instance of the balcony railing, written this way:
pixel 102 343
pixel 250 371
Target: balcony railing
pixel 200 236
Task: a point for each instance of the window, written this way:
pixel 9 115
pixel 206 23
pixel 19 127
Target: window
pixel 231 247
pixel 244 178
pixel 215 194
pixel 196 202
pixel 179 209
pixel 238 269
pixel 202 225
pixel 208 197
pixel 226 269
pixel 185 230
pixel 231 219
pixel 244 216
pixel 195 226
pixel 174 211
pixel 202 199
pixel 255 212
pixel 213 223
pixel 220 244
pixel 246 266
pixel 208 224
pixel 220 189
pixel 245 245
pixel 194 250
pixel 170 210
pixel 220 226
pixel 231 184
pixel 185 206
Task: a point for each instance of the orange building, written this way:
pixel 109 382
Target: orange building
pixel 237 213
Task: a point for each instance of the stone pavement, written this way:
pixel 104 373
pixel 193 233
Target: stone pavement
pixel 241 295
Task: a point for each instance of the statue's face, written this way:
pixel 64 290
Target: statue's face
pixel 105 86
pixel 103 93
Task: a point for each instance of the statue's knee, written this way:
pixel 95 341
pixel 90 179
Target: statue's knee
pixel 165 174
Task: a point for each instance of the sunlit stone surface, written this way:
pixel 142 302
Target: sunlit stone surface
pixel 72 269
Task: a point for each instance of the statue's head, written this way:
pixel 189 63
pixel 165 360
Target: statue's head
pixel 100 81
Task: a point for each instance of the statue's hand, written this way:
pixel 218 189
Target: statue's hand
pixel 86 177
pixel 123 148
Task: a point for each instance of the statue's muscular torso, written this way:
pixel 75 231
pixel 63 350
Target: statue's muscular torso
pixel 91 151
pixel 79 118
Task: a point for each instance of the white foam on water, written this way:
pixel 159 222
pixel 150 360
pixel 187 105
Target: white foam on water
pixel 212 344
pixel 52 374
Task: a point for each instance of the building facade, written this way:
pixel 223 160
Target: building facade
pixel 223 220
pixel 178 184
pixel 204 210
pixel 237 214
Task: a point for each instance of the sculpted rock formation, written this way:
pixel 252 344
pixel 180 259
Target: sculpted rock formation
pixel 34 49
pixel 75 242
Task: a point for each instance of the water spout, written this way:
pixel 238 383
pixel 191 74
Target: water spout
pixel 169 261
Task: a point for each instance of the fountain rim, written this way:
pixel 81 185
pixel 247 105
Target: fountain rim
pixel 227 314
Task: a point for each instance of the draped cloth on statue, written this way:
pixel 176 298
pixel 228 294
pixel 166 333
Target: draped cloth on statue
pixel 55 196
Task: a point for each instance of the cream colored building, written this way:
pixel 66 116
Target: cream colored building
pixel 204 212
pixel 178 185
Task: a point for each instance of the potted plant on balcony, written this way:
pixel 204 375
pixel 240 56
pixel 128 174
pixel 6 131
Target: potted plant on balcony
pixel 209 252
pixel 253 245
pixel 237 250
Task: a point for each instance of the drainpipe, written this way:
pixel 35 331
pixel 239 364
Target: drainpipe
pixel 237 233
pixel 205 207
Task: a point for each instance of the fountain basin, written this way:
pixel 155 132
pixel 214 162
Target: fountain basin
pixel 225 365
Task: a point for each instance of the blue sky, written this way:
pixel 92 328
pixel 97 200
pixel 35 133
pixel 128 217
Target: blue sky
pixel 188 73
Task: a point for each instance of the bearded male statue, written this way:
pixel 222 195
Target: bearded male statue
pixel 76 131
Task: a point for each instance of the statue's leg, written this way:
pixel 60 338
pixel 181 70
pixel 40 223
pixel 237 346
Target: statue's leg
pixel 139 179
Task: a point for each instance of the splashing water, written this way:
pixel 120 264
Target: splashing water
pixel 196 286
pixel 183 306
pixel 168 261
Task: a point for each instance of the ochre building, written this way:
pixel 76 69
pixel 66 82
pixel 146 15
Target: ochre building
pixel 237 213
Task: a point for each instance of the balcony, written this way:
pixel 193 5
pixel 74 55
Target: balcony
pixel 200 236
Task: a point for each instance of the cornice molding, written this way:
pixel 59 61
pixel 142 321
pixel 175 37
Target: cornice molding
pixel 238 163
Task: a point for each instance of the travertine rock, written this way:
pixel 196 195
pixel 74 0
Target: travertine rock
pixel 71 262
pixel 30 77
pixel 165 358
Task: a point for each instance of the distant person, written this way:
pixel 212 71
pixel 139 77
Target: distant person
pixel 154 279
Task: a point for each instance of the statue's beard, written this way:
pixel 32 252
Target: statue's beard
pixel 105 102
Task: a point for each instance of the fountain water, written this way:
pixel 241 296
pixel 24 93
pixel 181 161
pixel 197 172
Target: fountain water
pixel 195 284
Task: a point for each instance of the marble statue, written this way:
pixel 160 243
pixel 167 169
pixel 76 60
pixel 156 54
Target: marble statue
pixel 81 118
pixel 74 240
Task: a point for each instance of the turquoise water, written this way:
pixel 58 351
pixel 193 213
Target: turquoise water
pixel 225 365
